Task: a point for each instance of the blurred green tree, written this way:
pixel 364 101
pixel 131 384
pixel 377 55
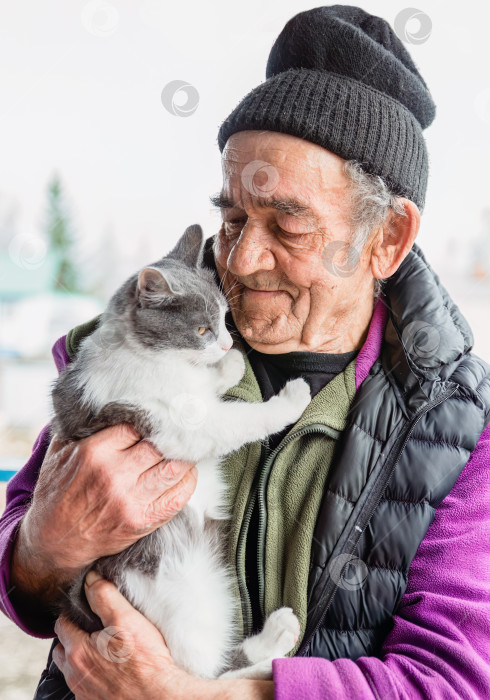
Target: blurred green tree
pixel 59 233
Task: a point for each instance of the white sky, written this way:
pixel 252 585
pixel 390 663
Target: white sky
pixel 89 107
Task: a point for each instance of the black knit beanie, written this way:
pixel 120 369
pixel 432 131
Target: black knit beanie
pixel 341 78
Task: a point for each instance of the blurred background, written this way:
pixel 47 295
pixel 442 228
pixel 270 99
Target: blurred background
pixel 109 114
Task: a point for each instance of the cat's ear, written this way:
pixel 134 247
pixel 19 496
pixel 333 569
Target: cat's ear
pixel 152 283
pixel 190 246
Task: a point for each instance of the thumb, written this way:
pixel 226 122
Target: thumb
pixel 105 600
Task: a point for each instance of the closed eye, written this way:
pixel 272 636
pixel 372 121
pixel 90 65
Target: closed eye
pixel 235 225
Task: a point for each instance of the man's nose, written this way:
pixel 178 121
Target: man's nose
pixel 251 252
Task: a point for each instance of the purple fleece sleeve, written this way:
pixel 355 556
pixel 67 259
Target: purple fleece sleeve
pixel 439 647
pixel 19 493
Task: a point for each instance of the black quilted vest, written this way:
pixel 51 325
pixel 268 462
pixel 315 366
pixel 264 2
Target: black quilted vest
pixel 413 425
pixel 415 421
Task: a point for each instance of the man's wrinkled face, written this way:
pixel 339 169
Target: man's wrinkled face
pixel 285 207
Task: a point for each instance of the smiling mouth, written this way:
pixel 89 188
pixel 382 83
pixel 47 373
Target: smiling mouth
pixel 260 293
pixel 239 289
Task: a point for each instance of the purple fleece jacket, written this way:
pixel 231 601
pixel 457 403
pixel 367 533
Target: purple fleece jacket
pixel 439 647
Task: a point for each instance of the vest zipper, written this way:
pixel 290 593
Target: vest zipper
pixel 241 549
pixel 242 581
pixel 356 529
pixel 261 495
pixel 256 489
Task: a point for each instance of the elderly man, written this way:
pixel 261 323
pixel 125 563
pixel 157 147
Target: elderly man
pixel 369 516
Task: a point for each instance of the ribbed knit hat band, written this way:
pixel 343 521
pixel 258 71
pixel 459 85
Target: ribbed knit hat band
pixel 341 78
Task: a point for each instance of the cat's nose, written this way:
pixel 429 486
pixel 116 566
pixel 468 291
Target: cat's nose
pixel 226 347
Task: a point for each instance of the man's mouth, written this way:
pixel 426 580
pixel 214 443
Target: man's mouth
pixel 252 293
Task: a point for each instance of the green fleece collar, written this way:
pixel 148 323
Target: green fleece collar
pixel 247 388
pixel 77 334
pixel 323 408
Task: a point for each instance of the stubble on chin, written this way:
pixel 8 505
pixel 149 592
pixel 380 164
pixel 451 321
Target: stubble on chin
pixel 263 327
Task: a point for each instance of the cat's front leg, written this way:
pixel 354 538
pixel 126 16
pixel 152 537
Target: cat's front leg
pixel 229 370
pixel 279 635
pixel 234 423
pixel 222 427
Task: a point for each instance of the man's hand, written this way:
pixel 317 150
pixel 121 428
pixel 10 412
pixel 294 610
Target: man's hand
pixel 126 660
pixel 129 660
pixel 94 497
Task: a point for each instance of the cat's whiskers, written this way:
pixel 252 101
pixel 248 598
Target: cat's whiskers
pixel 237 296
pixel 222 280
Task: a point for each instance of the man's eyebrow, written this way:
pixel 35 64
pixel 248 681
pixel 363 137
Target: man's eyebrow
pixel 287 205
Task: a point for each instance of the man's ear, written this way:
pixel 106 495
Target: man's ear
pixel 394 240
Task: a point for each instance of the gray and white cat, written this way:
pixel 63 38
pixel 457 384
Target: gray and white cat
pixel 160 359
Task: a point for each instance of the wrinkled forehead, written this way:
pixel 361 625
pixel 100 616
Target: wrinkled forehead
pixel 267 163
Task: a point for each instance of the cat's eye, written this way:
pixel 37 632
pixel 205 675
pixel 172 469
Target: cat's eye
pixel 202 329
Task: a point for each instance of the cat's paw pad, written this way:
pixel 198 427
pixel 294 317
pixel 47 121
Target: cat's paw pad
pixel 232 367
pixel 281 630
pixel 297 392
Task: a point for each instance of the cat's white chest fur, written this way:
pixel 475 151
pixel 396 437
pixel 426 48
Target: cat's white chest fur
pixel 142 377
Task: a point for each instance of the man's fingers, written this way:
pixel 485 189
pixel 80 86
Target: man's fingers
pixel 163 508
pixel 163 476
pixel 68 633
pixel 59 656
pixel 118 437
pixel 106 601
pixel 57 446
pixel 141 457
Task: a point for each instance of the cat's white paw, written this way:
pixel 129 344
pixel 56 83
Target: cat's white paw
pixel 281 630
pixel 232 367
pixel 297 392
pixel 279 635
